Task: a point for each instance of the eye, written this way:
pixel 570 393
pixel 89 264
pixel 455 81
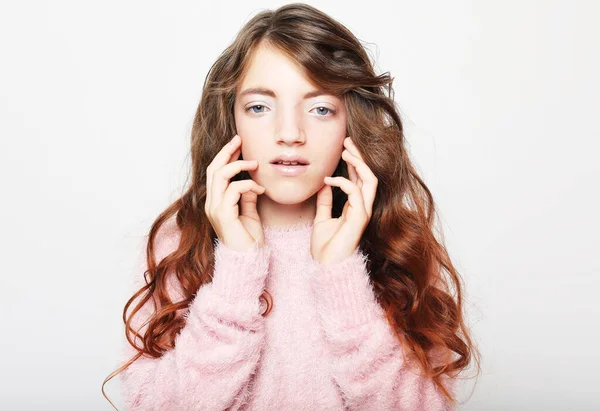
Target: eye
pixel 325 108
pixel 255 106
pixel 321 110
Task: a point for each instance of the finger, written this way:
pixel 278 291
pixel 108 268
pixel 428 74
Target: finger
pixel 345 210
pixel 236 189
pixel 221 178
pixel 367 181
pixel 352 172
pixel 248 205
pixel 350 146
pixel 353 149
pixel 228 153
pixel 224 155
pixel 369 192
pixel 235 155
pixel 356 208
pixel 209 178
pixel 324 204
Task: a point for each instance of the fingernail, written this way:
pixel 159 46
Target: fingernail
pixel 234 139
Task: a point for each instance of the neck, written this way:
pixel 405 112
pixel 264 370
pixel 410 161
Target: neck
pixel 277 214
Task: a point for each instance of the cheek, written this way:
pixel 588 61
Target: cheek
pixel 251 147
pixel 237 118
pixel 334 161
pixel 244 127
pixel 331 159
pixel 251 139
pixel 330 154
pixel 246 149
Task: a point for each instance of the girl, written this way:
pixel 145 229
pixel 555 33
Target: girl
pixel 270 285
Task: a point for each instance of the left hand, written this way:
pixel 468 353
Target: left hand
pixel 334 239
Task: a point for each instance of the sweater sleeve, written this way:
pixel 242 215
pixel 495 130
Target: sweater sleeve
pixel 217 351
pixel 368 365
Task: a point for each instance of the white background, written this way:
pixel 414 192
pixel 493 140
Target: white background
pixel 500 100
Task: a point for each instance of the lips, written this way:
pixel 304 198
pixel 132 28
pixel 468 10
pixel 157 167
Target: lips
pixel 289 170
pixel 290 160
pixel 289 163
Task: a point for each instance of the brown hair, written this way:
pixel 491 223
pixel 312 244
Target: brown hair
pixel 410 269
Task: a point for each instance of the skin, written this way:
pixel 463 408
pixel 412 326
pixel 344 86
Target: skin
pixel 285 120
pixel 314 128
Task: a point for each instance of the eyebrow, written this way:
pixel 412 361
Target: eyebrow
pixel 267 92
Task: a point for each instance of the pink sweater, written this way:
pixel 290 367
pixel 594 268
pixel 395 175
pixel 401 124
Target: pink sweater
pixel 325 345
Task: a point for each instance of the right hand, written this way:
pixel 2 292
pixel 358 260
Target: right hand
pixel 236 231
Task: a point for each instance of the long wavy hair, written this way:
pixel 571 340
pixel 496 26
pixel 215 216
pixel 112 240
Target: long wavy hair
pixel 413 277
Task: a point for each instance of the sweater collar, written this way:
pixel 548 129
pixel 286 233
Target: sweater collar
pixel 289 238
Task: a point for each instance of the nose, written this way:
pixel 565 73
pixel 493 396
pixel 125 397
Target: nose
pixel 289 130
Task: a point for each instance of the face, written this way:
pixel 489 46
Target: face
pixel 287 118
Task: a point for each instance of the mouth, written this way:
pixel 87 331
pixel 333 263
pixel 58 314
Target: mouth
pixel 289 168
pixel 289 163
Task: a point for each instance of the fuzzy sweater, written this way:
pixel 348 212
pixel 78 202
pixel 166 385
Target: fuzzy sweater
pixel 326 344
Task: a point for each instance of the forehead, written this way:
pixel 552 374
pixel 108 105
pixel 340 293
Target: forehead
pixel 270 68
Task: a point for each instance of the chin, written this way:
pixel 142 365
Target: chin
pixel 288 195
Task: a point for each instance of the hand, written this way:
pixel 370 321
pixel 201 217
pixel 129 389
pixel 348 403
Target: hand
pixel 334 239
pixel 236 231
